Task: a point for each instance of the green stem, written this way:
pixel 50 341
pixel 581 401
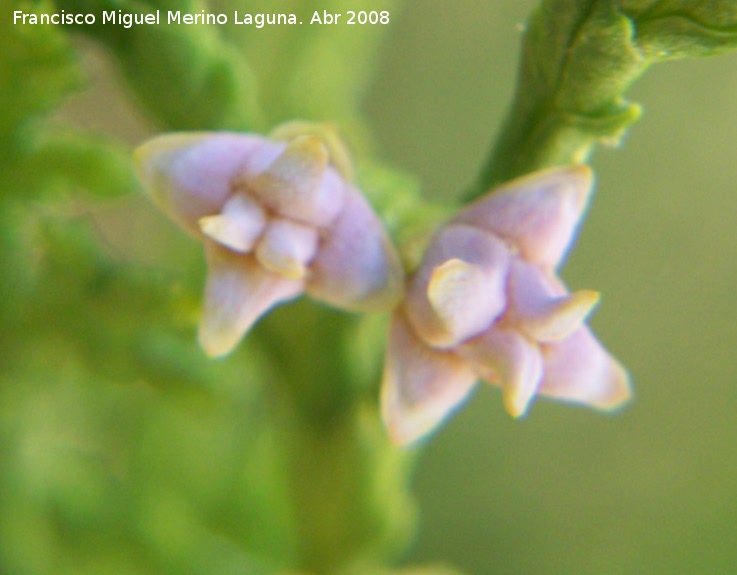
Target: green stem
pixel 579 59
pixel 348 484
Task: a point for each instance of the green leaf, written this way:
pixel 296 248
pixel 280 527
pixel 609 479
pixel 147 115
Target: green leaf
pixel 579 59
pixel 37 70
pixel 187 76
pixel 669 29
pixel 97 165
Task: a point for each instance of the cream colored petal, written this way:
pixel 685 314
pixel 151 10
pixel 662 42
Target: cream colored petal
pixel 340 157
pixel 190 176
pixel 459 289
pixel 580 370
pixel 506 358
pixel 357 267
pixel 421 386
pixel 454 289
pixel 237 294
pixel 299 184
pixel 286 248
pixel 238 226
pixel 539 213
pixel 540 306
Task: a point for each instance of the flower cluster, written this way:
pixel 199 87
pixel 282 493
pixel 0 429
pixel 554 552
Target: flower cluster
pixel 278 219
pixel 486 304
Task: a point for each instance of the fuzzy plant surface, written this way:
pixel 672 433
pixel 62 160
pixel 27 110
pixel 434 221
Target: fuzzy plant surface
pixel 250 399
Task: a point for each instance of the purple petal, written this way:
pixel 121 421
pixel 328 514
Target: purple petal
pixel 539 214
pixel 237 294
pixel 421 386
pixel 541 307
pixel 459 289
pixel 505 357
pixel 190 176
pixel 286 247
pixel 579 369
pixel 357 267
pixel 238 226
pixel 300 185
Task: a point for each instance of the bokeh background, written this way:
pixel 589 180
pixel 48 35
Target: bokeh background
pixel 653 488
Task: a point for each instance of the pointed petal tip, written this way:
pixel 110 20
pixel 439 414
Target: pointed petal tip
pixel 286 248
pixel 452 288
pixel 538 213
pixel 299 184
pixel 575 179
pixel 585 298
pixel 515 408
pixel 563 317
pixel 280 263
pixel 238 292
pixel 575 182
pixel 215 343
pixel 340 157
pixel 580 178
pixel 303 156
pixel 580 370
pixel 224 231
pixel 621 391
pixel 311 147
pixel 154 156
pixel 421 387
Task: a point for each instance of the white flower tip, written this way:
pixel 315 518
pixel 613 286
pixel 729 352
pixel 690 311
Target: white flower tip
pixel 448 285
pixel 579 369
pixel 538 214
pixel 279 262
pixel 216 341
pixel 286 248
pixel 309 148
pixel 580 180
pixel 305 158
pixel 407 425
pixel 238 292
pixel 521 372
pixel 515 404
pixel 452 288
pixel 421 386
pixel 564 316
pixel 404 427
pixel 576 307
pixel 618 391
pixel 585 300
pixel 226 232
pixel 153 158
pixel 340 157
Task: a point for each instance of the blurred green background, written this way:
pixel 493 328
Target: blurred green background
pixel 652 489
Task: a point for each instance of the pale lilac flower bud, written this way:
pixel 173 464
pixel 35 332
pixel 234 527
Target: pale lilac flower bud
pixel 277 219
pixel 486 304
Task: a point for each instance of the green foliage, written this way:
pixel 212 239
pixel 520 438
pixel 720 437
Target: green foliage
pixel 668 29
pixel 186 76
pixel 579 60
pixel 37 70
